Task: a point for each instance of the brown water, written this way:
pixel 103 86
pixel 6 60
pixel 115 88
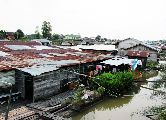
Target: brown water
pixel 129 107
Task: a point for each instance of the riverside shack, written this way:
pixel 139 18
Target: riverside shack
pixel 42 71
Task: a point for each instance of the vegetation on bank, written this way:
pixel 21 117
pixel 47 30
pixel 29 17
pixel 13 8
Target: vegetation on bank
pixel 83 96
pixel 162 115
pixel 163 56
pixel 151 64
pixel 161 110
pixel 115 83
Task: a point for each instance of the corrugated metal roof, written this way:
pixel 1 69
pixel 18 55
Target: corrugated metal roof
pixel 100 47
pixel 97 47
pixel 46 66
pixel 42 59
pixel 18 47
pixel 138 53
pixel 3 54
pixel 118 61
pixel 28 43
pixel 41 40
pixel 41 47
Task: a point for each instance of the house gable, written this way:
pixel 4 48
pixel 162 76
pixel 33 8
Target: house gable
pixel 128 43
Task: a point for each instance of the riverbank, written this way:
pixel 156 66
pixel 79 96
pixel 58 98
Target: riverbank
pixel 130 107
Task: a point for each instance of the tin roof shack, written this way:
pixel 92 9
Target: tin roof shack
pixel 140 55
pixel 103 49
pixel 44 80
pixel 40 70
pixel 136 45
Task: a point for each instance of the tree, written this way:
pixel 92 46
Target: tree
pixel 55 37
pixel 19 34
pixel 46 30
pixel 98 38
pixel 37 33
pixel 2 34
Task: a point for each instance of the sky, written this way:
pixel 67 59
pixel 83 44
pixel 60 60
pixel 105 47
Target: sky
pixel 114 19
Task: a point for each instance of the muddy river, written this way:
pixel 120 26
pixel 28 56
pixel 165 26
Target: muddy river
pixel 131 106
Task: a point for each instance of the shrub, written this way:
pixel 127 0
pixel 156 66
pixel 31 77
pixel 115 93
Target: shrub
pixel 101 90
pixel 77 96
pixel 162 115
pixel 152 64
pixel 115 83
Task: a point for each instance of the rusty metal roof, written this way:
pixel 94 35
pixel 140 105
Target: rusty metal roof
pixel 138 53
pixel 28 43
pixel 38 57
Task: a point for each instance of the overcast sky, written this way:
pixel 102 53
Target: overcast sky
pixel 119 19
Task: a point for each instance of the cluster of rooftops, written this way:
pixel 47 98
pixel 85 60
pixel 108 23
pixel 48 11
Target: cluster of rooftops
pixel 34 58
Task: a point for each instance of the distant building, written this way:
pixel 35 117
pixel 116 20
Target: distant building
pixel 67 43
pixel 103 49
pixel 163 48
pixel 88 41
pixel 72 37
pixel 10 35
pixel 44 42
pixel 135 45
pixel 31 36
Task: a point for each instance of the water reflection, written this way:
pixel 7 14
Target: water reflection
pixel 129 107
pixel 102 108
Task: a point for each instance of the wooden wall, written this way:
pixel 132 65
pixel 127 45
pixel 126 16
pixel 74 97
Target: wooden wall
pixel 49 84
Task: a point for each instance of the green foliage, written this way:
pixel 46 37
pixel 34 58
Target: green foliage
pixel 98 38
pixel 25 38
pixel 151 64
pixel 46 30
pixel 162 115
pixel 116 82
pixel 161 111
pixel 37 33
pixel 19 34
pixel 101 90
pixel 77 96
pixel 37 36
pixel 55 37
pixel 2 34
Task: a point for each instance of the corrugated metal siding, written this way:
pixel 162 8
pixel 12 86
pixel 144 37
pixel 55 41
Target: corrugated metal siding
pixel 49 84
pixel 46 85
pixel 20 82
